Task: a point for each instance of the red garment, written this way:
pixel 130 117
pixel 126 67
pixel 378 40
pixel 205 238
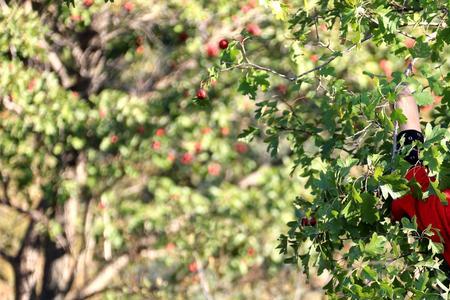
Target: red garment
pixel 431 211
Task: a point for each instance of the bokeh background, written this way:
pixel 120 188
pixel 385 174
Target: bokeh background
pixel 116 184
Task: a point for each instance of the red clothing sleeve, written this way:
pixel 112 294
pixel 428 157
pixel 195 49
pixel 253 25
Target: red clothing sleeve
pixel 431 211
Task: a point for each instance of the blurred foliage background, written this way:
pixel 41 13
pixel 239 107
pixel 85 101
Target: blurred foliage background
pixel 116 183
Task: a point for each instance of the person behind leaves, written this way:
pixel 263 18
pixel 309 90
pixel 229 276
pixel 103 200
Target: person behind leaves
pixel 430 210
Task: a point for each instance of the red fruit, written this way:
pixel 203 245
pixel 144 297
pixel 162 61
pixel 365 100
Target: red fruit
pixel 241 147
pixel 198 147
pixel 214 169
pixel 252 3
pixel 171 156
pixel 160 132
pixel 183 36
pixel 186 159
pixel 102 113
pixel 212 50
pixel 170 246
pixel 193 268
pixel 251 251
pixel 223 44
pixel 386 67
pixel 314 58
pixel 88 3
pixel 141 129
pixel 409 43
pixel 282 89
pixel 156 145
pixel 75 94
pixel 246 8
pixel 308 221
pixel 114 139
pixel 140 49
pixel 201 94
pixel 206 130
pixel 254 29
pixel 31 85
pixel 225 131
pixel 128 6
pixel 101 205
pixel 75 18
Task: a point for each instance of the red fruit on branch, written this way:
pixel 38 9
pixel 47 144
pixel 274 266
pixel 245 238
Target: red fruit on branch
pixel 214 169
pixel 241 147
pixel 282 89
pixel 101 113
pixel 201 94
pixel 198 147
pixel 314 58
pixel 88 3
pixel 170 246
pixel 186 159
pixel 225 131
pixel 193 268
pixel 251 251
pixel 206 130
pixel 409 43
pixel 128 6
pixel 212 50
pixel 183 36
pixel 254 29
pixel 141 129
pixel 114 139
pixel 140 49
pixel 156 145
pixel 160 132
pixel 223 44
pixel 308 221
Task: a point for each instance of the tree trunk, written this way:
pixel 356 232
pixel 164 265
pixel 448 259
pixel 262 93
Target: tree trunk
pixel 27 271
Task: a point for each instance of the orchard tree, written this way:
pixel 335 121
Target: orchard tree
pixel 330 98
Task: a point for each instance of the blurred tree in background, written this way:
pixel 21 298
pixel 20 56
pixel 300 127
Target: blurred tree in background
pixel 125 157
pixel 113 181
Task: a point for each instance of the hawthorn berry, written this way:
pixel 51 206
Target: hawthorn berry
pixel 251 251
pixel 223 44
pixel 241 147
pixel 128 6
pixel 225 131
pixel 170 246
pixel 410 43
pixel 193 268
pixel 183 36
pixel 114 139
pixel 156 145
pixel 88 3
pixel 282 89
pixel 186 159
pixel 308 221
pixel 214 169
pixel 314 58
pixel 254 29
pixel 212 50
pixel 201 94
pixel 160 132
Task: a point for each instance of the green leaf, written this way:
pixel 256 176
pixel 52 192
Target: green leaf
pixel 397 115
pixel 423 98
pixel 376 246
pixel 421 49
